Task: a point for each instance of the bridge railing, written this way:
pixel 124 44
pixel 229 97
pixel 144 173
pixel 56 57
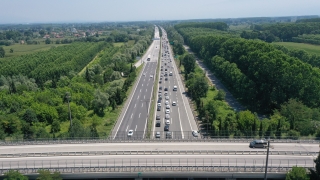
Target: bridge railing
pixel 135 139
pixel 156 164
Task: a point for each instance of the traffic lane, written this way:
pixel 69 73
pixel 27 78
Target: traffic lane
pixel 151 160
pixel 188 112
pixel 156 146
pixel 128 121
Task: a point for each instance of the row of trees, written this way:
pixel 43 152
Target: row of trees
pixel 50 65
pixel 264 79
pixel 281 31
pixel 307 38
pixel 27 111
pixel 176 40
pixel 312 59
pixel 43 175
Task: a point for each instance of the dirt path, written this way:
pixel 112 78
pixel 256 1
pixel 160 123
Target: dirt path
pixel 232 102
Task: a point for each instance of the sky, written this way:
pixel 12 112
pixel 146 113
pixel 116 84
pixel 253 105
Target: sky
pixel 57 11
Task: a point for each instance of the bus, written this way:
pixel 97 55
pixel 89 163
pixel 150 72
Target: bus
pixel 149 56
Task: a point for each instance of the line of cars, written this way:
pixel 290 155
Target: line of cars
pixel 163 97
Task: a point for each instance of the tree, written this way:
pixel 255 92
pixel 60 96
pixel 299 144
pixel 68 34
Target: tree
pixel 221 95
pixel 55 127
pixel 14 175
pixel 189 64
pixel 297 173
pixel 88 76
pixel 315 173
pixel 2 52
pixel 30 116
pixel 11 50
pixel 47 41
pixel 100 102
pixel 46 175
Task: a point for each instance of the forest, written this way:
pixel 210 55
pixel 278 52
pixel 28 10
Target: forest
pixel 90 78
pixel 266 80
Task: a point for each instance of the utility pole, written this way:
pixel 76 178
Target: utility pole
pixel 68 97
pixel 266 168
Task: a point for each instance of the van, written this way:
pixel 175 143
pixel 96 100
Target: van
pixel 258 144
pixel 170 74
pixel 175 88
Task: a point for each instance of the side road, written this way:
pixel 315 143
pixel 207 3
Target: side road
pixel 232 102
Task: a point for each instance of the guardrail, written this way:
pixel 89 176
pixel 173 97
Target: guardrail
pixel 153 165
pixel 139 140
pixel 176 152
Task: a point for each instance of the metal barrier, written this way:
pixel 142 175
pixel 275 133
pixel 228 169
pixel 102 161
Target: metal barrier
pixel 152 165
pixel 177 152
pixel 142 140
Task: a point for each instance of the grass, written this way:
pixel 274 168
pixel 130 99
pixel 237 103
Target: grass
pixel 19 49
pixel 313 49
pixel 118 44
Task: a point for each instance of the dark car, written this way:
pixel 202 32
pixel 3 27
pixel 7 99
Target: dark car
pixel 158 108
pixel 158 123
pixel 165 89
pixel 160 82
pixel 166 79
pixel 160 88
pixel 158 117
pixel 159 101
pixel 258 144
pixel 168 135
pixel 166 128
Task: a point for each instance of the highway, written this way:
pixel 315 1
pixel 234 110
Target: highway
pixel 136 112
pixel 181 118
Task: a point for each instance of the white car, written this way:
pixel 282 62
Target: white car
pixel 195 133
pixel 168 107
pixel 167 102
pixel 167 111
pixel 167 116
pixel 130 133
pixel 165 93
pixel 144 74
pixel 174 103
pixel 167 122
pixel 159 104
pixel 151 76
pixel 167 97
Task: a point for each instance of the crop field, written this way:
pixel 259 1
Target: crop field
pixel 313 49
pixel 19 49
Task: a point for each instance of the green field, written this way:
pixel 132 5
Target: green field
pixel 313 49
pixel 19 49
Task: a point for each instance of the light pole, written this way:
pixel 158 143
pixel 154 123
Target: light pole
pixel 266 168
pixel 68 97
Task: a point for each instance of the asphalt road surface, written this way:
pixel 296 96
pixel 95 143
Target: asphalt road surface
pixel 181 121
pixel 137 110
pixel 157 146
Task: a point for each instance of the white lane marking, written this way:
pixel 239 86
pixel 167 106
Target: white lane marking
pixel 140 90
pixel 146 90
pixel 144 97
pixel 128 104
pixel 135 105
pixel 127 128
pixel 180 124
pixel 138 96
pixel 131 115
pixel 147 84
pixel 142 105
pixel 139 115
pixel 142 84
pixel 135 128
